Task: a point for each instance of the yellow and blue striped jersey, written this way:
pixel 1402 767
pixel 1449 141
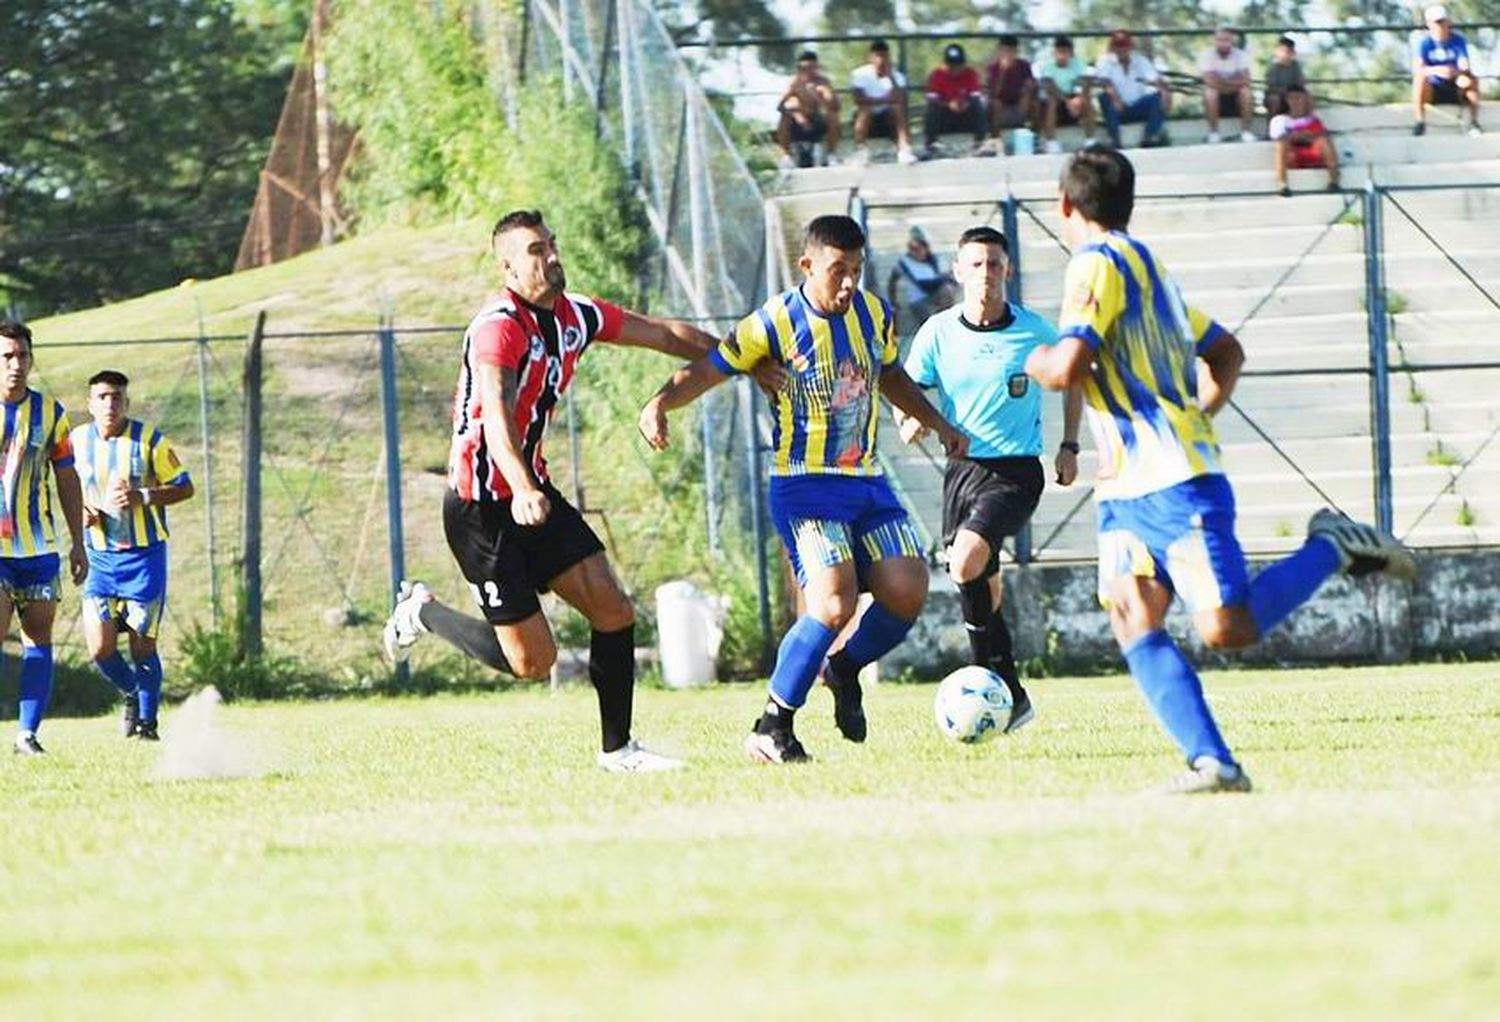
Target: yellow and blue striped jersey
pixel 34 439
pixel 141 455
pixel 1142 392
pixel 824 420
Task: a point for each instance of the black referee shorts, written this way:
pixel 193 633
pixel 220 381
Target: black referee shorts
pixel 991 496
pixel 507 565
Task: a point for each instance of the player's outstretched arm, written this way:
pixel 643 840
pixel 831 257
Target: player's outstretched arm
pixel 1222 361
pixel 668 336
pixel 1062 365
pixel 70 496
pixel 687 385
pixel 497 397
pixel 902 392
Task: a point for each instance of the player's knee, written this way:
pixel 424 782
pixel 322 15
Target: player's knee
pixel 968 557
pixel 835 608
pixel 613 614
pixel 1226 629
pixel 532 664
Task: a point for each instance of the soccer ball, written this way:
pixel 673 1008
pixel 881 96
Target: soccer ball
pixel 972 705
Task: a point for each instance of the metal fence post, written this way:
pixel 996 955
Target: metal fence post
pixel 205 430
pixel 251 638
pixel 753 452
pixel 392 467
pixel 1010 217
pixel 1380 379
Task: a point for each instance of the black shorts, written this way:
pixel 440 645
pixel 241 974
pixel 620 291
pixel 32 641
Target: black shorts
pixel 991 496
pixel 883 124
pixel 815 130
pixel 507 565
pixel 1229 103
pixel 1444 92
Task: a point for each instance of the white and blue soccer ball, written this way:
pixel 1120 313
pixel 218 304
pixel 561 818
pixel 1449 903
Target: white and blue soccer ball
pixel 973 705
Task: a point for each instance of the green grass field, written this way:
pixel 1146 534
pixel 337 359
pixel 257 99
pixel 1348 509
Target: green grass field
pixel 462 858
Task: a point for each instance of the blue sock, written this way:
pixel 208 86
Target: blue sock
pixel 1290 582
pixel 878 633
pixel 1172 688
pixel 799 659
pixel 36 685
pixel 148 679
pixel 117 672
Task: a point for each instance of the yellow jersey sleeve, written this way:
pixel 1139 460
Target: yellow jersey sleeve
pixel 1205 329
pixel 165 463
pixel 890 347
pixel 739 352
pixel 1093 298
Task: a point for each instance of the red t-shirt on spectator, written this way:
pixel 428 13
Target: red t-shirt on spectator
pixel 1008 84
pixel 948 84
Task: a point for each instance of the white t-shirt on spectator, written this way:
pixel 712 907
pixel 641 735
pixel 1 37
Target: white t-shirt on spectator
pixel 874 87
pixel 1235 64
pixel 1131 81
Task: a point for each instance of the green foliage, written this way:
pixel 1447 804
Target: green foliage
pixel 434 146
pixel 133 138
pixel 1440 455
pixel 1466 516
pixel 216 657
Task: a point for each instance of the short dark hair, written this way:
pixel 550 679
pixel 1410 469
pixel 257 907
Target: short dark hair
pixel 112 377
pixel 1297 89
pixel 807 55
pixel 1062 42
pixel 16 331
pixel 1100 183
pixel 1287 41
pixel 1009 39
pixel 880 46
pixel 514 220
pixel 984 235
pixel 834 230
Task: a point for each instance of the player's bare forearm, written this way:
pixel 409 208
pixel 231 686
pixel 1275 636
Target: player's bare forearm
pixel 1223 361
pixel 1072 413
pixel 903 393
pixel 70 496
pixel 668 336
pixel 687 384
pixel 497 395
pixel 1060 366
pixel 169 494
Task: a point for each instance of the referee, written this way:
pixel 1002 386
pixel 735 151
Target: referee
pixel 974 355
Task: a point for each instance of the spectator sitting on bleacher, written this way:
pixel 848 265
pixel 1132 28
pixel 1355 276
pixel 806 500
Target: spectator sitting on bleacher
pixel 1283 72
pixel 1010 88
pixel 879 92
pixel 1441 71
pixel 1064 86
pixel 1226 85
pixel 1302 141
pixel 918 285
pixel 809 116
pixel 1132 90
pixel 954 100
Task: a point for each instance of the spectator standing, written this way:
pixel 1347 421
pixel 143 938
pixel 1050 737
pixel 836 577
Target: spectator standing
pixel 955 100
pixel 1441 71
pixel 918 285
pixel 1010 87
pixel 1063 88
pixel 1226 85
pixel 879 92
pixel 809 115
pixel 1131 90
pixel 1283 72
pixel 1302 141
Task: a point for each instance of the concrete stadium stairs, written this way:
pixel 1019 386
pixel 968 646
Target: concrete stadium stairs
pixel 1228 246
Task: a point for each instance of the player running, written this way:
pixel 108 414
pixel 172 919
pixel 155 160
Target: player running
pixel 842 525
pixel 975 355
pixel 513 534
pixel 130 476
pixel 33 440
pixel 1166 510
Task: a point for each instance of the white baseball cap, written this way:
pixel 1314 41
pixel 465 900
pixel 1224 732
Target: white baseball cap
pixel 1435 12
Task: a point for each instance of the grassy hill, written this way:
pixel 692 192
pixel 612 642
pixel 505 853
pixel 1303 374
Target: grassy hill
pixel 325 548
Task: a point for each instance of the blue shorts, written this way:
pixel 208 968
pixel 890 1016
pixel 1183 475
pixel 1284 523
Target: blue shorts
pixel 30 579
pixel 128 587
pixel 826 520
pixel 1183 537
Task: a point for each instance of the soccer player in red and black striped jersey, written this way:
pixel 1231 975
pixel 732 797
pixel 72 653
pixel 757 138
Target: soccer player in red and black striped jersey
pixel 511 531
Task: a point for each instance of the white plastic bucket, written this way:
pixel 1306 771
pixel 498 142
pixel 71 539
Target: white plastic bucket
pixel 688 632
pixel 1022 142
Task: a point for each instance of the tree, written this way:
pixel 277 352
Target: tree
pixel 131 136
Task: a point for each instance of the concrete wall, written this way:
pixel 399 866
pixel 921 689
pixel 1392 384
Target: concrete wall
pixel 1452 608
